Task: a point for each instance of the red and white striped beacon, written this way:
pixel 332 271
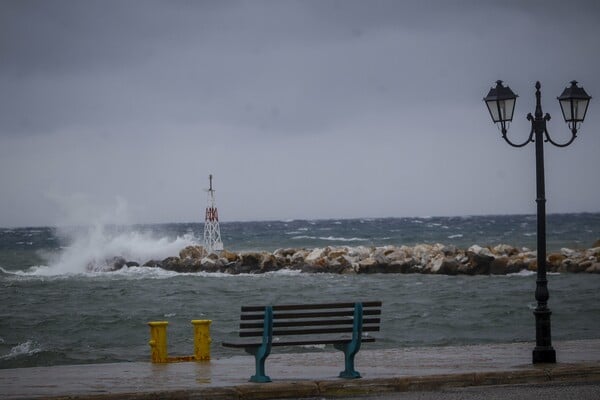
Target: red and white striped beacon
pixel 212 232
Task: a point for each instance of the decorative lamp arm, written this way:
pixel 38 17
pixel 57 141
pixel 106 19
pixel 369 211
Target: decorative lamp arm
pixel 549 139
pixel 529 139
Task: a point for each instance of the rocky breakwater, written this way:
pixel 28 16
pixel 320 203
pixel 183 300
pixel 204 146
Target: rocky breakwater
pixel 421 258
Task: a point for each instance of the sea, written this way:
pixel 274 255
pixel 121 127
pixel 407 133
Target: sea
pixel 55 310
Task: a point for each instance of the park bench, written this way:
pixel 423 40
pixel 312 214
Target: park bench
pixel 343 325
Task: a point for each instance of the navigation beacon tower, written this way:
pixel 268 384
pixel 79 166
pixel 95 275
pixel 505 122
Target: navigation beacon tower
pixel 212 232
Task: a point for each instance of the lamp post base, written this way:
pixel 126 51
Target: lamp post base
pixel 543 351
pixel 544 355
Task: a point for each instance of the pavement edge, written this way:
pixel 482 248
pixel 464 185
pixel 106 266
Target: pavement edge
pixel 366 386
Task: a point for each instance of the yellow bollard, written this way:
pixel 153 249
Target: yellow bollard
pixel 202 339
pixel 158 341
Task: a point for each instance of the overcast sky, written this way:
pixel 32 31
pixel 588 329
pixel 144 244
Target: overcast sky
pixel 300 109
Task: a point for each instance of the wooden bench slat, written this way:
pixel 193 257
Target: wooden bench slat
pixel 296 342
pixel 280 324
pixel 306 331
pixel 323 314
pixel 289 307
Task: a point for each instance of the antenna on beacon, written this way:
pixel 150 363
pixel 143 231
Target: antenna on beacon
pixel 212 232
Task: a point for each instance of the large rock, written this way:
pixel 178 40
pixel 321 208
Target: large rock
pixel 251 260
pixel 479 263
pixel 314 255
pixel 211 265
pixel 115 263
pixel 172 264
pixel 268 263
pixel 195 252
pixel 481 251
pixel 505 250
pixel 503 266
pixel 444 265
pixel 368 266
pixel 153 264
pixel 594 268
pixel 555 259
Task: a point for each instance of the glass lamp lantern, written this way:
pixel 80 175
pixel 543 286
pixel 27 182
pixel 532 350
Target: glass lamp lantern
pixel 574 102
pixel 500 102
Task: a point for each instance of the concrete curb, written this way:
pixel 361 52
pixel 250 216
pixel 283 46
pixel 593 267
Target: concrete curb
pixel 345 388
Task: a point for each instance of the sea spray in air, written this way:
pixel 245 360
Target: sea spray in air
pixel 91 249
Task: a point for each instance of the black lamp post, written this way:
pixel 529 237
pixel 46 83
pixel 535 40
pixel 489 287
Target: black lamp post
pixel 574 103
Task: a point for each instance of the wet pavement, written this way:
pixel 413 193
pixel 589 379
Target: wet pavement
pixel 313 374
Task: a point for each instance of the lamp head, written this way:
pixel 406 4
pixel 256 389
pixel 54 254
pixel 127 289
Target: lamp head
pixel 574 102
pixel 500 102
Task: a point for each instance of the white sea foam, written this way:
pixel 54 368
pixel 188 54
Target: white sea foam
pixel 330 238
pixel 137 273
pixel 24 349
pixel 458 235
pixel 285 272
pixel 313 346
pixel 523 272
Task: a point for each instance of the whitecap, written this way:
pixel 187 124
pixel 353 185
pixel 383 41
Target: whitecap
pixel 342 239
pixel 24 349
pixel 523 272
pixel 456 236
pixel 286 272
pixel 313 346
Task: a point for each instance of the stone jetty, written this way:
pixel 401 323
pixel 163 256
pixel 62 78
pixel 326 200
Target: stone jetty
pixel 421 258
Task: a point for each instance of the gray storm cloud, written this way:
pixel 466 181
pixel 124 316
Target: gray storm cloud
pixel 301 109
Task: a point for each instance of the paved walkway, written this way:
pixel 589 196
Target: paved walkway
pixel 307 374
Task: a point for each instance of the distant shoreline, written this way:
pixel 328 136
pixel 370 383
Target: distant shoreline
pixel 288 220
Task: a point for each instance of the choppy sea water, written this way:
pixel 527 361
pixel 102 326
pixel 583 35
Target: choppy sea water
pixel 52 311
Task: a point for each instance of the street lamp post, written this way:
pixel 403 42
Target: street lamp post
pixel 573 102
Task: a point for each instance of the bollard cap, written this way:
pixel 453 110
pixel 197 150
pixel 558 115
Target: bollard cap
pixel 158 323
pixel 201 321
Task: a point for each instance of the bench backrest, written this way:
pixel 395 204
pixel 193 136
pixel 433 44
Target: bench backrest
pixel 310 319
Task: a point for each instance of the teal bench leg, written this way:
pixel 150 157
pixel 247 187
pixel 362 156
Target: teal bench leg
pixel 351 348
pixel 349 372
pixel 259 358
pixel 261 352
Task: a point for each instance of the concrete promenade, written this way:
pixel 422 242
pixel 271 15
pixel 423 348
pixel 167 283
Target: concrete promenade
pixel 311 374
